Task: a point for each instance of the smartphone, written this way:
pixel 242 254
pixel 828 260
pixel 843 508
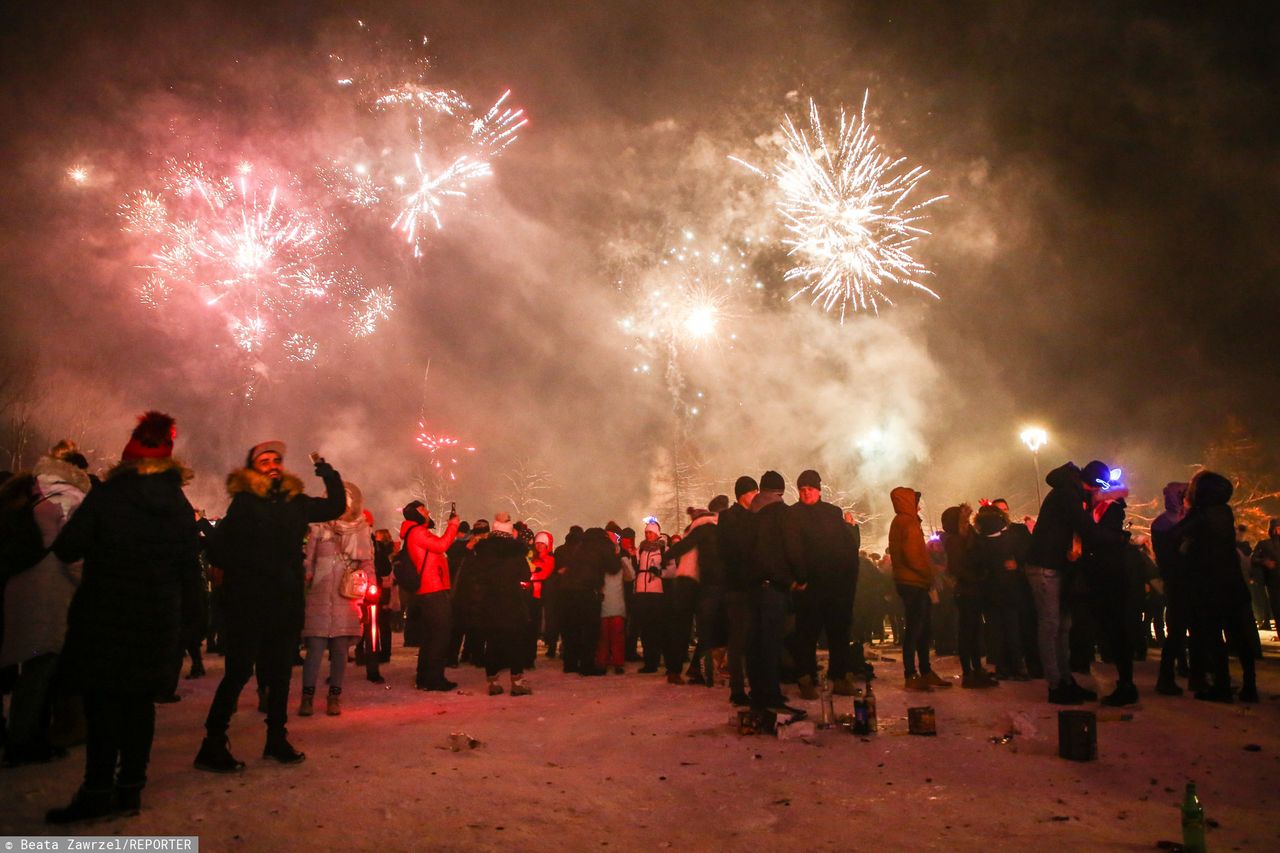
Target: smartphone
pixel 453 507
pixel 315 456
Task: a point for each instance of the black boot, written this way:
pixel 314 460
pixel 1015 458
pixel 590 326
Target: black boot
pixel 85 805
pixel 127 800
pixel 215 756
pixel 279 749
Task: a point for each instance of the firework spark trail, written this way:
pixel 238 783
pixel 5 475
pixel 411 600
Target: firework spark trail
pixel 425 201
pixel 240 247
pixel 852 226
pixel 442 449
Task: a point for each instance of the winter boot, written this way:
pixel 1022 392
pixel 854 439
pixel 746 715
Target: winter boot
pixel 334 706
pixel 1124 694
pixel 279 749
pixel 495 689
pixel 1249 690
pixel 127 800
pixel 1166 686
pixel 808 691
pixel 197 671
pixel 215 756
pixel 519 687
pixel 305 707
pixel 674 678
pixel 1064 695
pixel 1085 694
pixel 916 684
pixel 86 805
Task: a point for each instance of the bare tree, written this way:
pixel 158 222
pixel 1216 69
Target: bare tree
pixel 19 394
pixel 433 487
pixel 1236 454
pixel 528 482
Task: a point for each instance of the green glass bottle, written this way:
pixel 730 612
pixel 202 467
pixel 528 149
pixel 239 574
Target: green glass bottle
pixel 1192 821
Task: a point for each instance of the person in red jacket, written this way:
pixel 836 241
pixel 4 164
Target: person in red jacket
pixel 542 565
pixel 427 550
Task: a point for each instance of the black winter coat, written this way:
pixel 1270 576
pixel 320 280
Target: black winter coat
pixel 1104 562
pixel 587 561
pixel 1062 515
pixel 737 533
pixel 258 545
pixel 501 569
pixel 769 562
pixel 821 548
pixel 1208 541
pixel 136 533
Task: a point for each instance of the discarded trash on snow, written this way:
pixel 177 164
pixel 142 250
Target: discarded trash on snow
pixel 1078 735
pixel 459 741
pixel 921 721
pixel 797 730
pixel 756 721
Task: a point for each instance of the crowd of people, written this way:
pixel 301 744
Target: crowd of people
pixel 110 583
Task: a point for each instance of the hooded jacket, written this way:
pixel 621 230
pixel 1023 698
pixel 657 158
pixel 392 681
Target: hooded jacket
pixel 588 561
pixel 429 553
pixel 910 559
pixel 1267 550
pixel 820 547
pixel 769 562
pixel 136 533
pixel 258 544
pixel 1208 541
pixel 1064 514
pixel 1169 560
pixel 36 599
pixel 331 548
pixel 958 541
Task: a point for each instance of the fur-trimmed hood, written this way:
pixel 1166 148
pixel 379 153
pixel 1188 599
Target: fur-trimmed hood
pixel 56 471
pixel 249 481
pixel 147 467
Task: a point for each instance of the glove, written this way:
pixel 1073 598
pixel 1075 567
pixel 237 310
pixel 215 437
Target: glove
pixel 324 470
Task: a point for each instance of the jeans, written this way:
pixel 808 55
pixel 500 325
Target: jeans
pixel 434 610
pixel 917 637
pixel 764 653
pixel 1053 636
pixel 338 647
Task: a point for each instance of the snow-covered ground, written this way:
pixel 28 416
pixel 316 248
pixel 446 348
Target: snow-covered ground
pixel 633 763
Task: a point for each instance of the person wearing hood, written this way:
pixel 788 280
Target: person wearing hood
pixel 35 605
pixel 136 533
pixel 824 551
pixel 581 591
pixel 1219 593
pixel 552 604
pixel 996 557
pixel 647 598
pixel 332 619
pixel 1063 528
pixel 501 567
pixel 1266 562
pixel 771 580
pixel 429 552
pixel 1103 565
pixel 913 575
pixel 258 547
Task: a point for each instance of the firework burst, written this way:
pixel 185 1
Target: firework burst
pixel 244 248
pixel 443 451
pixel 852 224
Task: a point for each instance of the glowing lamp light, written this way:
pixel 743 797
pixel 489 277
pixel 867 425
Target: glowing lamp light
pixel 1034 438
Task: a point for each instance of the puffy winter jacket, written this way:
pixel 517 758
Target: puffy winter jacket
pixel 820 546
pixel 910 559
pixel 769 563
pixel 1064 514
pixel 427 550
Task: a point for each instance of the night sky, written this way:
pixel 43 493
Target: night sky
pixel 1106 257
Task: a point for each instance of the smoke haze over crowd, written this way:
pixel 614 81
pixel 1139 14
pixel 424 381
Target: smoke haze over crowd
pixel 1105 258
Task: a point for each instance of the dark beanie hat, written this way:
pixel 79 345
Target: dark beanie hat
pixel 1095 471
pixel 809 478
pixel 771 481
pixel 411 511
pixel 743 485
pixel 719 503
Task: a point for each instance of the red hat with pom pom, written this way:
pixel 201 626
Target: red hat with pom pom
pixel 152 438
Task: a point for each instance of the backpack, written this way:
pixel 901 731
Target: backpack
pixel 21 542
pixel 408 576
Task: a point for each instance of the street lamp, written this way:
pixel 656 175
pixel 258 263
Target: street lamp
pixel 1035 438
